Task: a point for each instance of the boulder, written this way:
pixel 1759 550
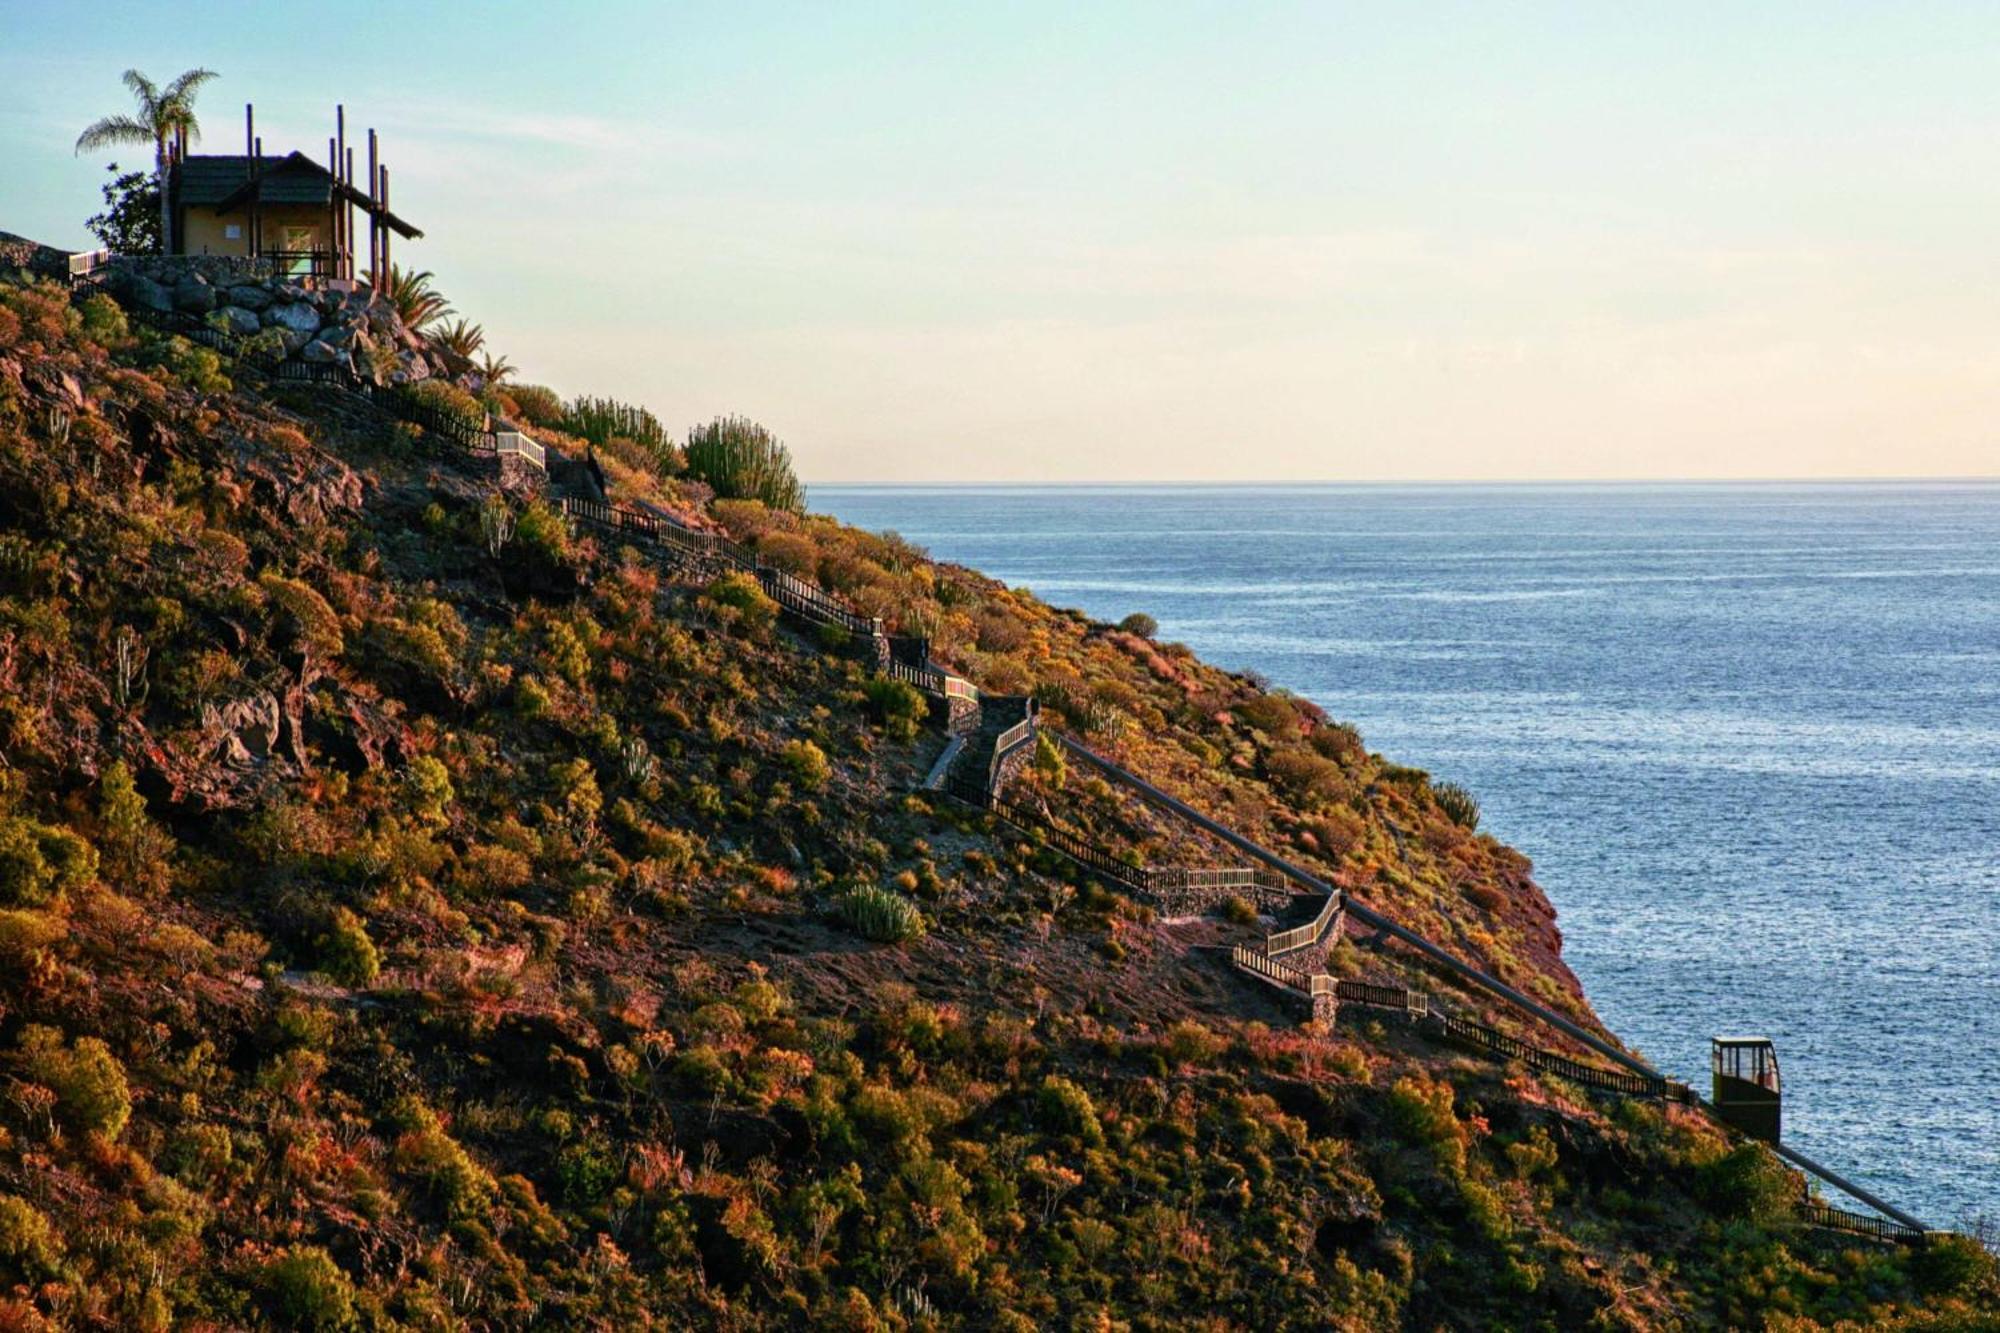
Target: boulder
pixel 295 341
pixel 290 292
pixel 194 296
pixel 143 291
pixel 240 321
pixel 322 352
pixel 250 296
pixel 297 317
pixel 243 732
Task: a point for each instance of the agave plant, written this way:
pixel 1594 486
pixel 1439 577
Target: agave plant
pixel 418 304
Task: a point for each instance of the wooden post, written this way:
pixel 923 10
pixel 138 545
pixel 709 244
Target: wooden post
pixel 347 226
pixel 257 197
pixel 376 276
pixel 250 174
pixel 385 227
pixel 342 251
pixel 332 267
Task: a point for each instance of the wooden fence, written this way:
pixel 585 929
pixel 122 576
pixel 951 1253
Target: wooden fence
pixel 1495 1042
pixel 1813 1213
pixel 1030 821
pixel 1304 937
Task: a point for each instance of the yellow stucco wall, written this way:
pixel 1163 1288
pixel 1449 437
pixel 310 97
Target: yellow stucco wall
pixel 205 232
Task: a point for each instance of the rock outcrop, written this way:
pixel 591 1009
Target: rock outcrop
pixel 307 319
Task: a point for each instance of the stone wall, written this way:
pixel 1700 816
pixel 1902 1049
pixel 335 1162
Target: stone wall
pixel 309 319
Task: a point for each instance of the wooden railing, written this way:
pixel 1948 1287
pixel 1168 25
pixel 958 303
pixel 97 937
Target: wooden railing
pixel 1030 821
pixel 1284 974
pixel 1813 1213
pixel 1304 937
pixel 1383 997
pixel 1513 1048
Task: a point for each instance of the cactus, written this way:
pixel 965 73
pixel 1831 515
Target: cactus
pixel 1458 804
pixel 496 523
pixel 744 461
pixel 879 915
pixel 601 419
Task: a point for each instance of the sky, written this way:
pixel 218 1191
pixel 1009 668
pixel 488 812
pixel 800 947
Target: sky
pixel 1158 241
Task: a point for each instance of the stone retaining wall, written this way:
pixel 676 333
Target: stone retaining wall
pixel 312 320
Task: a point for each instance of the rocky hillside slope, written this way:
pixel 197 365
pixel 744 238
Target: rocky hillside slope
pixel 416 915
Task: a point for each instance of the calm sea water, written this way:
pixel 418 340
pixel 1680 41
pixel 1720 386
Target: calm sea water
pixel 1750 735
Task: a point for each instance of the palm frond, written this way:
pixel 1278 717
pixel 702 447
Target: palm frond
pixel 143 89
pixel 113 130
pixel 462 339
pixel 183 88
pixel 417 303
pixel 495 369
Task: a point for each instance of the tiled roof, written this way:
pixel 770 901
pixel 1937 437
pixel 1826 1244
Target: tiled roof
pixel 205 180
pixel 223 180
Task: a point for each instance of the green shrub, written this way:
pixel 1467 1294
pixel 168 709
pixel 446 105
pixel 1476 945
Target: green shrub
pixel 39 864
pixel 537 405
pixel 1747 1182
pixel 743 601
pixel 1458 804
pixel 266 346
pixel 743 461
pixel 346 954
pixel 792 552
pixel 28 1243
pixel 806 763
pixel 1308 778
pixel 542 529
pixel 85 1076
pixel 898 706
pixel 1141 624
pixel 1061 1107
pixel 1421 1110
pixel 880 915
pixel 1952 1265
pixel 135 848
pixel 430 790
pixel 586 1169
pixel 316 623
pixel 308 1290
pixel 444 396
pixel 104 320
pixel 196 366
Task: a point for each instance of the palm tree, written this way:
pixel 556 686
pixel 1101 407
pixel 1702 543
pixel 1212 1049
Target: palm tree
pixel 495 370
pixel 461 339
pixel 163 113
pixel 417 303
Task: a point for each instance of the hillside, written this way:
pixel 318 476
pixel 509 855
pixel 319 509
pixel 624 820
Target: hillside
pixel 418 912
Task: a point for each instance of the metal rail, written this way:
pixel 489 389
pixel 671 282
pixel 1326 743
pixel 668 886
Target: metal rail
pixel 1432 951
pixel 1358 910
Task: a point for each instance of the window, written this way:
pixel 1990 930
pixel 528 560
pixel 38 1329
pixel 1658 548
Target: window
pixel 298 251
pixel 232 232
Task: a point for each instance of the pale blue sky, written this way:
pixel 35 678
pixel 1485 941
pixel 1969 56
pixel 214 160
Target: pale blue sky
pixel 1160 241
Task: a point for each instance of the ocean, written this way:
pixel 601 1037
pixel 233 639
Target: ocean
pixel 1749 733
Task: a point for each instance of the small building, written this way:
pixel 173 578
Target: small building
pixel 292 211
pixel 1747 1092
